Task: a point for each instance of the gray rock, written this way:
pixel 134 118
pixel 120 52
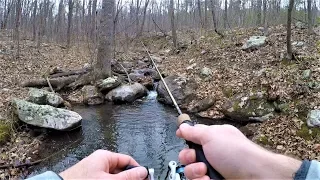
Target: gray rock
pixel 313 118
pixel 91 96
pixel 126 93
pixel 42 97
pixel 300 25
pixel 248 108
pixel 46 116
pixel 254 42
pixel 202 105
pixel 146 72
pixel 108 84
pixel 127 64
pixel 142 64
pixel 206 72
pixel 306 74
pixel 136 76
pixel 182 89
pixel 298 44
pixel 156 59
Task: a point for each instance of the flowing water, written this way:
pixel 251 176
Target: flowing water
pixel 145 130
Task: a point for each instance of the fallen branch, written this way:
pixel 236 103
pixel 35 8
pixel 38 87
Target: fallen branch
pixel 57 83
pixel 126 73
pixel 164 33
pixel 69 73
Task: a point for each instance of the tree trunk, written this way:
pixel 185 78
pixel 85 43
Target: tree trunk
pixel 17 27
pixel 289 46
pixel 264 20
pixel 215 28
pixel 93 21
pixel 225 20
pixel 310 25
pixel 206 14
pixel 200 14
pixel 103 65
pixel 70 14
pixel 259 4
pixel 173 27
pixel 144 17
pixel 35 20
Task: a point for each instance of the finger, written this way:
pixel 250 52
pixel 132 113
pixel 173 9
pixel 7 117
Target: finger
pixel 191 133
pixel 120 161
pixel 195 170
pixel 138 173
pixel 187 156
pixel 203 178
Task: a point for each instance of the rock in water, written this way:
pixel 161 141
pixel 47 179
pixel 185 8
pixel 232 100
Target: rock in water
pixel 254 42
pixel 206 72
pixel 91 96
pixel 127 93
pixel 46 116
pixel 248 108
pixel 313 118
pixel 182 89
pixel 42 97
pixel 108 84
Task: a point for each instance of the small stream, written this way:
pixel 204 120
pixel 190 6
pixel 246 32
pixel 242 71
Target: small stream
pixel 145 130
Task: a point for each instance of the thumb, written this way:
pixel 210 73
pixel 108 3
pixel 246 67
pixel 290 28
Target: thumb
pixel 138 173
pixel 192 133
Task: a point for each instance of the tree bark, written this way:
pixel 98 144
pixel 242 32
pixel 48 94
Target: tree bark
pixel 144 17
pixel 310 25
pixel 34 20
pixel 173 27
pixel 103 65
pixel 93 21
pixel 259 4
pixel 17 27
pixel 214 19
pixel 289 46
pixel 200 14
pixel 70 14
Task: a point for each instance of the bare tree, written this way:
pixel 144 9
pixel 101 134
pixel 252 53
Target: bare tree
pixel 103 65
pixel 173 27
pixel 93 21
pixel 215 28
pixel 225 20
pixel 144 17
pixel 70 14
pixel 259 4
pixel 309 17
pixel 289 46
pixel 17 27
pixel 200 14
pixel 34 15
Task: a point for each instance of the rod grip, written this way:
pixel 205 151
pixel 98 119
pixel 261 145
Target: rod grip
pixel 200 157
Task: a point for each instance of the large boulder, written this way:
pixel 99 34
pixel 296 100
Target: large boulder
pixel 127 93
pixel 108 84
pixel 245 108
pixel 202 105
pixel 147 72
pixel 46 116
pixel 91 96
pixel 254 42
pixel 182 89
pixel 43 97
pixel 313 119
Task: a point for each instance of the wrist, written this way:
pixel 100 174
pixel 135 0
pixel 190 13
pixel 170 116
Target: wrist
pixel 275 166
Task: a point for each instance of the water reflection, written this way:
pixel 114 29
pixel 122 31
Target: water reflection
pixel 144 130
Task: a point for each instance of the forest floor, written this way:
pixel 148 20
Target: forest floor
pixel 234 71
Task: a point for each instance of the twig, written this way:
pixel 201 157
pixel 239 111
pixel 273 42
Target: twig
pixel 49 84
pixel 6 166
pixel 130 82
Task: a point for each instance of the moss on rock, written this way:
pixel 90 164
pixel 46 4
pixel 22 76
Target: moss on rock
pixel 4 131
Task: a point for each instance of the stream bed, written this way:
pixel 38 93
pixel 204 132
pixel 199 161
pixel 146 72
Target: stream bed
pixel 145 130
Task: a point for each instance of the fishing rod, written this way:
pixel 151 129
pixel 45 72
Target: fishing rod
pixel 185 118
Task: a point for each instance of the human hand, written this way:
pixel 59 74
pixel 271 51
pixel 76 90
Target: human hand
pixel 104 164
pixel 232 155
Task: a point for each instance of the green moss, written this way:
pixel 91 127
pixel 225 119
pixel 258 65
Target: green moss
pixel 308 133
pixel 264 140
pixel 4 132
pixel 228 92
